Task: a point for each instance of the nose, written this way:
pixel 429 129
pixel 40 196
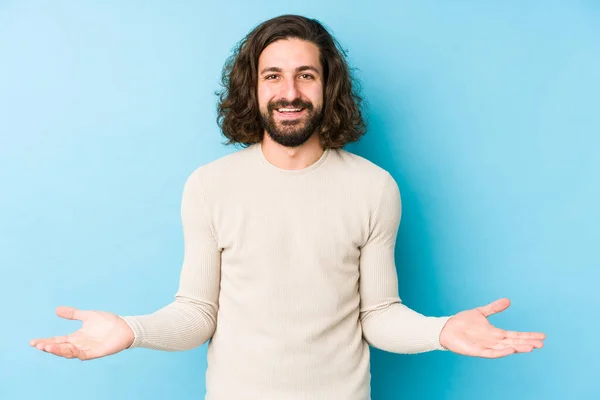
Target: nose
pixel 289 89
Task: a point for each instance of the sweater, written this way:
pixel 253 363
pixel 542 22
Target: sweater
pixel 289 276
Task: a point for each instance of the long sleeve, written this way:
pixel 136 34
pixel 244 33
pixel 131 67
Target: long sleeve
pixel 190 320
pixel 387 323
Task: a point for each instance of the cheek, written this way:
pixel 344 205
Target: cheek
pixel 262 97
pixel 316 96
pixel 265 94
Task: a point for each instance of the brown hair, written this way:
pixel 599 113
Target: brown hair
pixel 238 114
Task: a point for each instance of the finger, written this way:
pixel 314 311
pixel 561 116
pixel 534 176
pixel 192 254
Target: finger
pixel 56 339
pixel 538 344
pixel 511 342
pixel 497 353
pixel 523 348
pixel 66 350
pixel 70 313
pixel 523 335
pixel 494 307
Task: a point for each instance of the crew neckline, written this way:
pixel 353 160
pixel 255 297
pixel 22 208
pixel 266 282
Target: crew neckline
pixel 302 171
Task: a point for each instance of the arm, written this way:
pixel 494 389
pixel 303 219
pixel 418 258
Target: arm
pixel 190 320
pixel 387 323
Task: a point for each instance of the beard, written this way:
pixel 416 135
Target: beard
pixel 291 132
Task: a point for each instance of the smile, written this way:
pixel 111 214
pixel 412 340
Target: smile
pixel 290 112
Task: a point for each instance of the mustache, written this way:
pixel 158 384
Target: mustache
pixel 296 103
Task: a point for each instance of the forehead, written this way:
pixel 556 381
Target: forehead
pixel 289 54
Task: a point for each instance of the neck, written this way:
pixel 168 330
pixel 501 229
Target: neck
pixel 292 158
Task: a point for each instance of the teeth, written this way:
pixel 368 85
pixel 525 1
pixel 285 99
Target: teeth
pixel 288 109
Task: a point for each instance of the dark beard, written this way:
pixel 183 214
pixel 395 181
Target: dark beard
pixel 292 133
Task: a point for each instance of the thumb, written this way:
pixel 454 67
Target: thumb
pixel 70 313
pixel 494 307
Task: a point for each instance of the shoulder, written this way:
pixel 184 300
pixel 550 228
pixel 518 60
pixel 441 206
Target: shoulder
pixel 223 168
pixel 365 171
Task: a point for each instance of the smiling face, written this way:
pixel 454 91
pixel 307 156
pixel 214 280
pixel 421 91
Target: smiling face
pixel 290 91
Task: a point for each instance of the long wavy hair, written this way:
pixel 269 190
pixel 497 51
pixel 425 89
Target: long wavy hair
pixel 238 113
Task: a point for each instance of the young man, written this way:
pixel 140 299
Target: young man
pixel 289 243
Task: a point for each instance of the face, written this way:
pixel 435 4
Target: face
pixel 290 91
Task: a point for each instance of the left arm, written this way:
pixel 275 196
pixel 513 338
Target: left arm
pixel 387 323
pixel 391 326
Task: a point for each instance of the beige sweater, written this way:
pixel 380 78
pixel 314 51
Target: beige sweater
pixel 290 274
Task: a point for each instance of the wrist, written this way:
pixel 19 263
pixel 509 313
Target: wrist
pixel 129 335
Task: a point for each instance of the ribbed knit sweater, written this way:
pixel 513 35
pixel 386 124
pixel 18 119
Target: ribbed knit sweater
pixel 289 275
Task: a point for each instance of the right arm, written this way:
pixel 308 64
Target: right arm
pixel 190 320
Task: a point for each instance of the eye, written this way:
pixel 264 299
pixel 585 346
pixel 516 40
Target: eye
pixel 268 77
pixel 307 76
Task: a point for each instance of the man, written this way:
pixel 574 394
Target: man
pixel 288 267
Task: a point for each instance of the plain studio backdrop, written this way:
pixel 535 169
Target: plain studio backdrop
pixel 487 115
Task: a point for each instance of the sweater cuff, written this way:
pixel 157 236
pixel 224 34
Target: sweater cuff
pixel 137 329
pixel 439 324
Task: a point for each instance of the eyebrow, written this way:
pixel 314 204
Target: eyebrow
pixel 299 69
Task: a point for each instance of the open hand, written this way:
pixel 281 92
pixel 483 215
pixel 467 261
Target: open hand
pixel 470 333
pixel 101 334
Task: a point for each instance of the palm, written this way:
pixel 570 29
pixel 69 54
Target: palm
pixel 101 334
pixel 470 333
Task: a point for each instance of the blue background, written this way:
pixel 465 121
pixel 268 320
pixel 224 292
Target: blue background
pixel 486 113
